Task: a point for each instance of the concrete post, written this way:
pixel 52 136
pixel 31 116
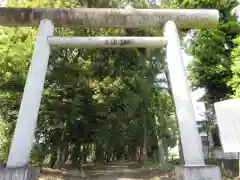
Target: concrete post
pixel 26 123
pixel 195 168
pixel 191 141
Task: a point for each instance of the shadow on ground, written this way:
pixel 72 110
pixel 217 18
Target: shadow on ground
pixel 108 172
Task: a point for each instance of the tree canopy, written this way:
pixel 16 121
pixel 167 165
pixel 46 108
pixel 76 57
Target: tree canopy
pixel 211 49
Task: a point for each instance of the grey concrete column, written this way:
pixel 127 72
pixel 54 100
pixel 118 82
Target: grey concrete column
pixel 27 118
pixel 198 173
pixel 191 141
pixel 19 174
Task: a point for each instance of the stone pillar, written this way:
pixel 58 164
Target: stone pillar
pixel 19 174
pixel 191 141
pixel 195 168
pixel 198 173
pixel 27 118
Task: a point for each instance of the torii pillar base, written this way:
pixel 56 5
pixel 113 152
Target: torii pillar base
pixel 24 173
pixel 198 173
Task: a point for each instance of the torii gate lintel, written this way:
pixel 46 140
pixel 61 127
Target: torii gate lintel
pixel 109 17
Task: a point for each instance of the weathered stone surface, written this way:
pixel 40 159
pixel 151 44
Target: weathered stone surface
pixel 105 174
pixel 164 178
pixel 198 173
pixel 100 17
pixel 18 174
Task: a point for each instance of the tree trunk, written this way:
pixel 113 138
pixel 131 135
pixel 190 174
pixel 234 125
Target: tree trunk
pixel 53 159
pixel 141 153
pixel 160 151
pixel 60 158
pixel 85 152
pixel 99 153
pixel 134 154
pixel 75 155
pixel 144 151
pixel 138 154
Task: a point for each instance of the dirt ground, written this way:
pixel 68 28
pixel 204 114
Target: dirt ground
pixel 47 177
pixel 117 171
pixel 62 178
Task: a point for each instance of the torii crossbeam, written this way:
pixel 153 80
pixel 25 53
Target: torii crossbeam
pixel 103 17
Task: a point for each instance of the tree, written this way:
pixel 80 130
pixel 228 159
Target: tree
pixel 211 48
pixel 235 55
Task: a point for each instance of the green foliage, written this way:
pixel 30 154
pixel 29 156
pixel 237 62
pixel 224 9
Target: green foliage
pixel 4 141
pixel 235 81
pixel 211 48
pixel 228 175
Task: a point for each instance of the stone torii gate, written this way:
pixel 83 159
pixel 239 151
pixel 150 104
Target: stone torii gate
pixel 168 19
